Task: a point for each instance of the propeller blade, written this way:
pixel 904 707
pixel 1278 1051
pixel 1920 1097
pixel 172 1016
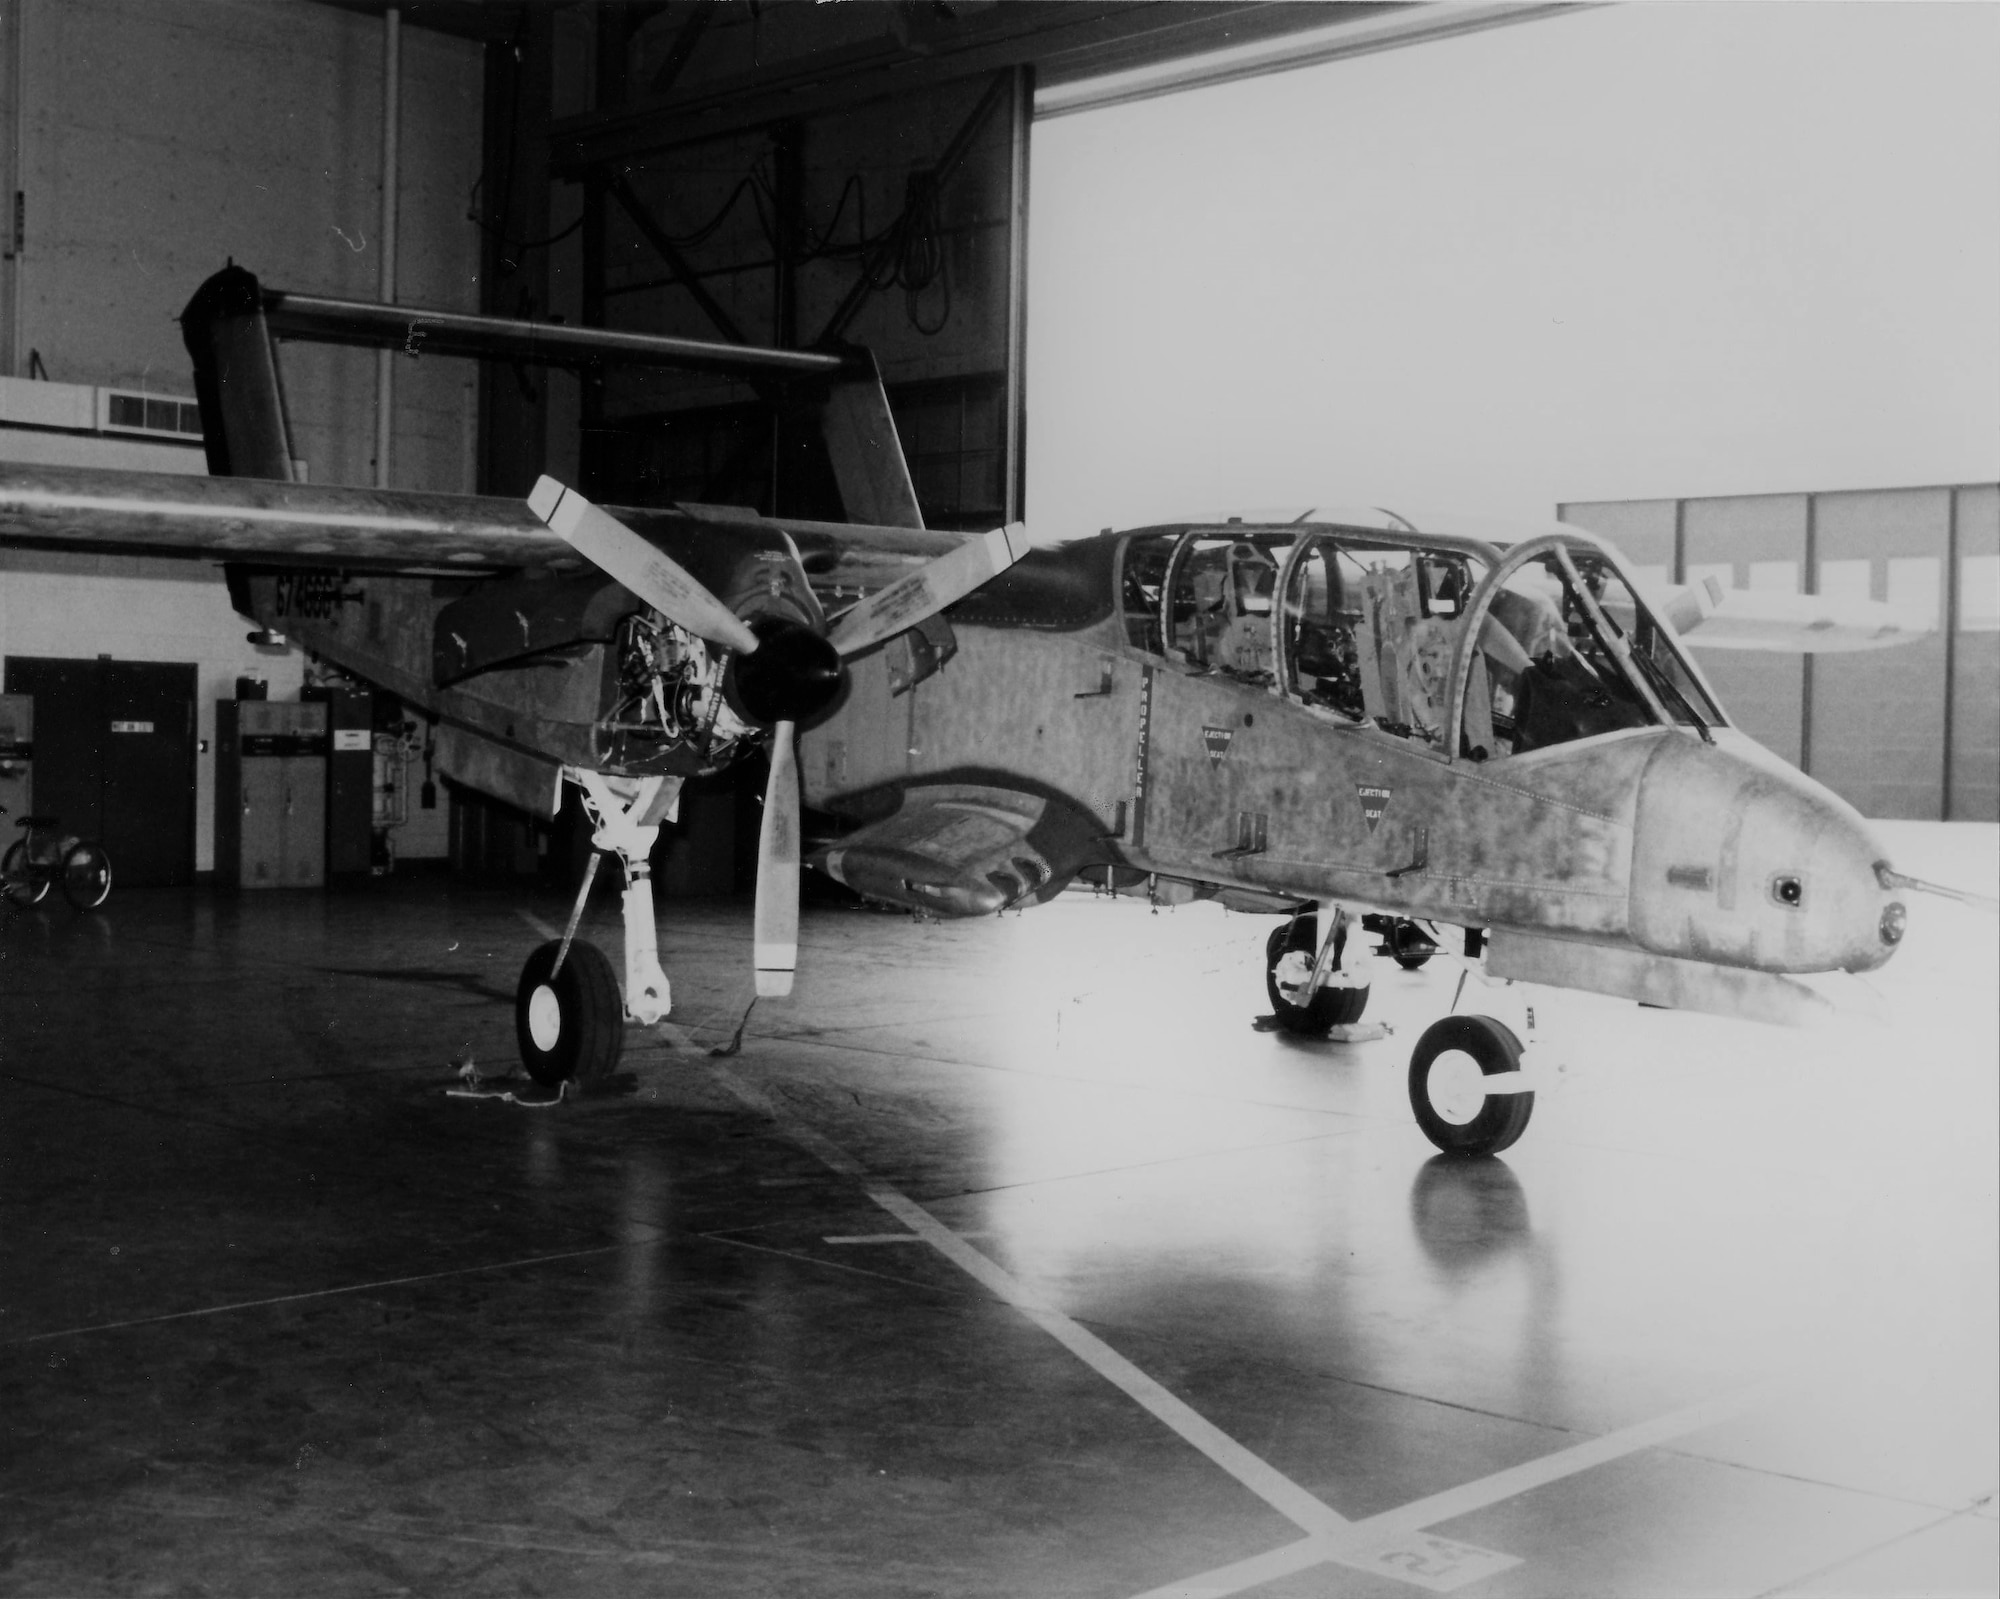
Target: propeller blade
pixel 656 578
pixel 777 922
pixel 929 589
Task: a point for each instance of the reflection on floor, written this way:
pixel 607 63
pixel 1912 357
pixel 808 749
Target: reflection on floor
pixel 1005 1259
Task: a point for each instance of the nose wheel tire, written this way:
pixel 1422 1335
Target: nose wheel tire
pixel 569 1024
pixel 1330 1007
pixel 86 876
pixel 1448 1096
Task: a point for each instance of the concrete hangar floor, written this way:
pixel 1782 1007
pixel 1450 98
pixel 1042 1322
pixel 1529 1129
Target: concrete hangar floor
pixel 1007 1259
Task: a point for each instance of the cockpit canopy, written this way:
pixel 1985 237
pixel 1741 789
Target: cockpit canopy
pixel 1515 648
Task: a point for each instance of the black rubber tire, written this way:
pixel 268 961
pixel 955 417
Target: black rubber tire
pixel 589 1015
pixel 1409 946
pixel 86 876
pixel 17 878
pixel 1503 1118
pixel 1330 1007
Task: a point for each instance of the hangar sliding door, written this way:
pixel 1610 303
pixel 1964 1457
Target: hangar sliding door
pixel 114 758
pixel 898 224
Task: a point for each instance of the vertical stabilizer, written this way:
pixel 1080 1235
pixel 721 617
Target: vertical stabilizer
pixel 236 379
pixel 867 456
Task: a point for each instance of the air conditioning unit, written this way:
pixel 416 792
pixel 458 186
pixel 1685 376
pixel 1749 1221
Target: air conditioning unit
pixel 158 416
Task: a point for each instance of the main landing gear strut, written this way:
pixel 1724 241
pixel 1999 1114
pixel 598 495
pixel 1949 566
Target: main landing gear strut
pixel 1471 1078
pixel 1312 993
pixel 568 1018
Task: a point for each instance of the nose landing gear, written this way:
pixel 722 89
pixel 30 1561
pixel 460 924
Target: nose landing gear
pixel 569 1021
pixel 1465 1086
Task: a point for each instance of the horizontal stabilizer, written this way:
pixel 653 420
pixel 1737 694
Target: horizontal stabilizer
pixel 417 330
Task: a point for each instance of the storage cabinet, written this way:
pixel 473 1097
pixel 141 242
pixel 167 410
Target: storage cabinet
pixel 350 779
pixel 270 793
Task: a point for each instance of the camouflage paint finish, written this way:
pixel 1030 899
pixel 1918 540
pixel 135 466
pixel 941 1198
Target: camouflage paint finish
pixel 1650 839
pixel 1544 839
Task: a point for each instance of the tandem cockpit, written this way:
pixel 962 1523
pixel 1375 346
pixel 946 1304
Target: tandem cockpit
pixel 1452 641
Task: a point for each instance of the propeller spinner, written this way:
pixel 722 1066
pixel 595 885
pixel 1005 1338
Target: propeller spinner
pixel 781 672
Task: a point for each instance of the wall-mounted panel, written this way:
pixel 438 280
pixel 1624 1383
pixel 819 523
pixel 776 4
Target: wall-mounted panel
pixel 1975 681
pixel 1878 716
pixel 1911 731
pixel 161 137
pixel 1643 530
pixel 1738 540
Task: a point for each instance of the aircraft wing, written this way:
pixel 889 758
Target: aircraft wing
pixel 256 520
pixel 1709 616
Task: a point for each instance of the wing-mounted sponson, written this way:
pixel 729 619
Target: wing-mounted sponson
pixel 965 849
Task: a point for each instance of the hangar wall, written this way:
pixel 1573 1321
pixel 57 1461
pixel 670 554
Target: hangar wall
pixel 158 138
pixel 830 204
pixel 155 139
pixel 1907 733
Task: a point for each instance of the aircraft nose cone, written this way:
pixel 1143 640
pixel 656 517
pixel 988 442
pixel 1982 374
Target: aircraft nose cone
pixel 791 676
pixel 1739 859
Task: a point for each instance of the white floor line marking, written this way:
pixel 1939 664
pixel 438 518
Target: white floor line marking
pixel 886 1238
pixel 317 1293
pixel 1251 1573
pixel 1264 1480
pixel 1394 1543
pixel 536 923
pixel 1516 1480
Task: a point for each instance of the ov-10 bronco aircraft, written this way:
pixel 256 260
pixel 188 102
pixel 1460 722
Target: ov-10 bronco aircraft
pixel 1322 716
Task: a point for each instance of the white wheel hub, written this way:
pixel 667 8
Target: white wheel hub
pixel 544 1017
pixel 1293 974
pixel 1456 1087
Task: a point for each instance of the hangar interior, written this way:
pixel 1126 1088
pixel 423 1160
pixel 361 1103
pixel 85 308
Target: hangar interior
pixel 1003 1258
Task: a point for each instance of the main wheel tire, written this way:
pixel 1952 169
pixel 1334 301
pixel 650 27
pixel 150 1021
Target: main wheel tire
pixel 18 879
pixel 569 1026
pixel 1330 1007
pixel 1409 946
pixel 1454 1111
pixel 86 876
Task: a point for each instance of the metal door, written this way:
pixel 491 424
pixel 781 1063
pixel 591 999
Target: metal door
pixel 17 761
pixel 114 758
pixel 69 762
pixel 148 769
